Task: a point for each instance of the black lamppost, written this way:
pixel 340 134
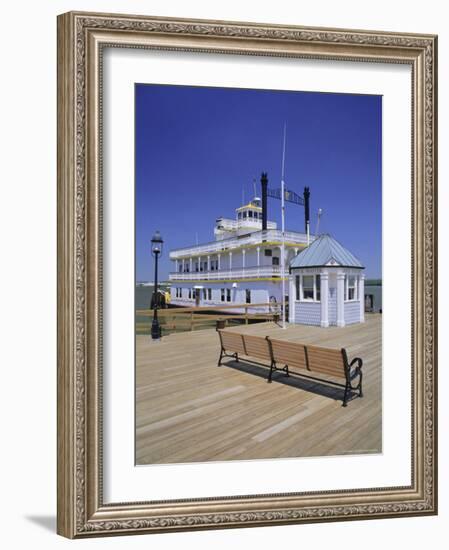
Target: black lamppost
pixel 156 251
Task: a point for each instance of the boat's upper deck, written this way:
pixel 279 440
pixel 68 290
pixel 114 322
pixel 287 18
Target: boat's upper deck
pixel 269 237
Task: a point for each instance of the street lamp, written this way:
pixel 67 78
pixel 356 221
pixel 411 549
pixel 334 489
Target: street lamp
pixel 156 251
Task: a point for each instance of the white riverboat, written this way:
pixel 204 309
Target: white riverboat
pixel 242 265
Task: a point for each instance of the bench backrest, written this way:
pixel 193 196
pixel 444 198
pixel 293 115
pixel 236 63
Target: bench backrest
pixel 232 341
pixel 289 353
pixel 246 344
pixel 257 346
pixel 326 361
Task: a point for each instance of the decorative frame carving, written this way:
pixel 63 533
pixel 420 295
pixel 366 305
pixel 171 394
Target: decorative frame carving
pixel 81 37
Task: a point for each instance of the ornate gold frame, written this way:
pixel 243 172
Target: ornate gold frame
pixel 81 37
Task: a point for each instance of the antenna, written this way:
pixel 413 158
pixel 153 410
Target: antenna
pixel 283 152
pixel 319 214
pixel 283 227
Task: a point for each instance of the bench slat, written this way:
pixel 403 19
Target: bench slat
pixel 257 346
pixel 317 359
pixel 326 361
pixel 232 341
pixel 289 353
pixel 325 371
pixel 326 352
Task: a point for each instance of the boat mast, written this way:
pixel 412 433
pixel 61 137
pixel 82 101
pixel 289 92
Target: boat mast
pixel 283 229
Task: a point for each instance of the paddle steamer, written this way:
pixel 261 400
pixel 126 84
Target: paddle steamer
pixel 243 264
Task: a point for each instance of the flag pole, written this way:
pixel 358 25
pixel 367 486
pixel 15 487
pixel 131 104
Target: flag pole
pixel 283 229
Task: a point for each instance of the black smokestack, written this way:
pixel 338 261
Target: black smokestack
pixel 306 207
pixel 264 184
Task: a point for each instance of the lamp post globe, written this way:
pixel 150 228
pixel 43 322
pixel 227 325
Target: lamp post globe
pixel 156 244
pixel 156 252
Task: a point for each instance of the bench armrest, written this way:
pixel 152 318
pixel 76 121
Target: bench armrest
pixel 353 372
pixel 356 360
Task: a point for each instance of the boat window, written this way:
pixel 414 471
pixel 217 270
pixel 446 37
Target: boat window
pixel 228 294
pixel 275 261
pixel 268 252
pixel 250 213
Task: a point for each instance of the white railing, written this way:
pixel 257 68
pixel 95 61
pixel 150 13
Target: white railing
pixel 258 237
pixel 237 273
pixel 226 224
pixel 240 227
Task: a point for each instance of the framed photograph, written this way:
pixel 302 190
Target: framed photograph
pixel 247 274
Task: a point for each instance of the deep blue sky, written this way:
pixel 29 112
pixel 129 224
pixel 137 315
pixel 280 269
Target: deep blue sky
pixel 198 148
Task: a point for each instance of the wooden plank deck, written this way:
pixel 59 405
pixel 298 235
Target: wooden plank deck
pixel 190 410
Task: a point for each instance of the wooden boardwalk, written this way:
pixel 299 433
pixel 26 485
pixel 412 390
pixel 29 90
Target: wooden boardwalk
pixel 190 410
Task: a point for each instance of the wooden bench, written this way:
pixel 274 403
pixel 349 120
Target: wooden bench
pixel 310 360
pixel 234 343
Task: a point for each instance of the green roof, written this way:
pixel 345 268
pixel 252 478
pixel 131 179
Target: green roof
pixel 325 251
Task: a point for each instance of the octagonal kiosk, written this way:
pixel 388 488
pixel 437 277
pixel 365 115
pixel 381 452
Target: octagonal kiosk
pixel 326 285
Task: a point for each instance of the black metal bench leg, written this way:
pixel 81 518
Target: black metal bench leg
pixel 221 357
pixel 360 386
pixel 345 398
pixel 236 355
pixel 286 371
pixel 272 367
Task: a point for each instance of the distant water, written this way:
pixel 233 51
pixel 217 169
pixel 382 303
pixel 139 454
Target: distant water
pixel 143 300
pixel 143 295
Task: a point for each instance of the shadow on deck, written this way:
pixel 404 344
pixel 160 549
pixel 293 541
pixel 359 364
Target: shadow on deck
pixel 293 380
pixel 190 410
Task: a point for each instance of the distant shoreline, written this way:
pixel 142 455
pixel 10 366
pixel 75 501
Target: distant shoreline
pixel 145 283
pixel 370 282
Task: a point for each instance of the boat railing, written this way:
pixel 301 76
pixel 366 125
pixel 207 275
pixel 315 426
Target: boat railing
pixel 224 245
pixel 223 274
